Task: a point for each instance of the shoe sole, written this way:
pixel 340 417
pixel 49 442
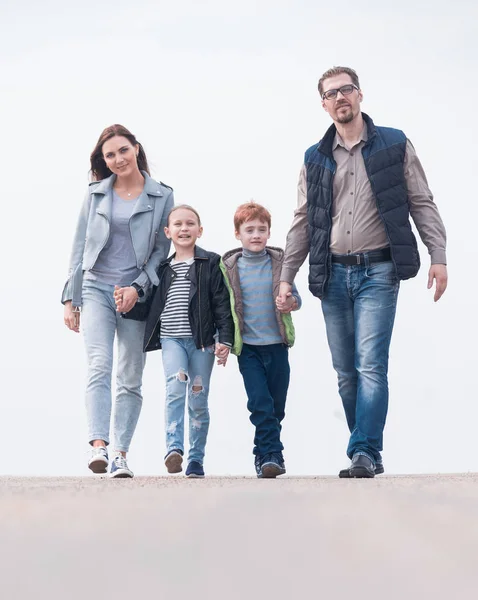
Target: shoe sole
pixel 98 465
pixel 121 474
pixel 345 473
pixel 361 473
pixel 271 471
pixel 194 476
pixel 174 462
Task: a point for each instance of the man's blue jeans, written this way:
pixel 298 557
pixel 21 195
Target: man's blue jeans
pixel 187 371
pixel 359 310
pixel 266 372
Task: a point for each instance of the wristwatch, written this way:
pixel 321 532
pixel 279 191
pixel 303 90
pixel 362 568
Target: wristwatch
pixel 138 289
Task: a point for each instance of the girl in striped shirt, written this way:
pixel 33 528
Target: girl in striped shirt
pixel 190 319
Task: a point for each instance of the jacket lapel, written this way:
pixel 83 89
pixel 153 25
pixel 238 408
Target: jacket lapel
pixel 104 204
pixel 104 197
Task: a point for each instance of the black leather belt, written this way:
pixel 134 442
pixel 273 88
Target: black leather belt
pixel 375 256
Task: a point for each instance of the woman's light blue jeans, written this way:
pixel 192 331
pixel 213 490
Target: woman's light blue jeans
pixel 359 309
pixel 187 371
pixel 100 322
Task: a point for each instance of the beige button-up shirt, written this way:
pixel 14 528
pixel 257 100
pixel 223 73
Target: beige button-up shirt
pixel 356 222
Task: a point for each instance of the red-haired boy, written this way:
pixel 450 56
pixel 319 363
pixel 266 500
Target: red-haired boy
pixel 263 331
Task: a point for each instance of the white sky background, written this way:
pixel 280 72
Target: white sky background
pixel 223 97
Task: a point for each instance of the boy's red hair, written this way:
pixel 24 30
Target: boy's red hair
pixel 250 211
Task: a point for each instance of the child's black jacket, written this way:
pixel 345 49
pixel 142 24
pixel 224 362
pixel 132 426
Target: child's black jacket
pixel 209 305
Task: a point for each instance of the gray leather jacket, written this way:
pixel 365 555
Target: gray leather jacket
pixel 147 223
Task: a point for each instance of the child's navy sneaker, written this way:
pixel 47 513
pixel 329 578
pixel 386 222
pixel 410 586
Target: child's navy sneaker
pixel 272 465
pixel 119 467
pixel 195 469
pixel 173 461
pixel 98 460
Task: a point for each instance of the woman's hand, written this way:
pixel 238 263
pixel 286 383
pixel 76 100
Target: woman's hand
pixel 125 298
pixel 222 352
pixel 71 317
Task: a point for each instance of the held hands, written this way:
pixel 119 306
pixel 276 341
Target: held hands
pixel 440 275
pixel 71 317
pixel 285 301
pixel 125 298
pixel 222 352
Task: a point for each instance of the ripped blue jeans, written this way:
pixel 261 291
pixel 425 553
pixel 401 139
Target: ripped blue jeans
pixel 187 371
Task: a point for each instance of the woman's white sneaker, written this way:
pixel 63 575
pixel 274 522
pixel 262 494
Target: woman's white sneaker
pixel 98 460
pixel 119 467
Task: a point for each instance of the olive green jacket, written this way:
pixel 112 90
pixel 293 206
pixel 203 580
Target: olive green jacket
pixel 231 274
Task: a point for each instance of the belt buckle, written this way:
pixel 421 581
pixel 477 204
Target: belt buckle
pixel 358 259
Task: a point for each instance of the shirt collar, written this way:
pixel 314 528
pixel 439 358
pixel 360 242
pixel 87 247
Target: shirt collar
pixel 338 141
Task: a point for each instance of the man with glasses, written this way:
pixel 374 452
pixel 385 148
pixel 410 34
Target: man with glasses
pixel 357 189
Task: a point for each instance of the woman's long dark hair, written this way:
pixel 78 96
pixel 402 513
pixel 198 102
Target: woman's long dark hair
pixel 99 170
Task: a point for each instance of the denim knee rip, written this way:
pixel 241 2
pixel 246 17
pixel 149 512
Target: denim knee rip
pixel 197 386
pixel 172 427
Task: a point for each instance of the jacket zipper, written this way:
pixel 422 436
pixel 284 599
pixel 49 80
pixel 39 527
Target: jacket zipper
pixel 159 318
pixel 105 240
pixel 379 211
pixel 199 301
pixel 327 267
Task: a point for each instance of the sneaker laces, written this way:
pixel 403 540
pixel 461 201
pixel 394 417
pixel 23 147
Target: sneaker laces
pixel 98 450
pixel 120 461
pixel 272 457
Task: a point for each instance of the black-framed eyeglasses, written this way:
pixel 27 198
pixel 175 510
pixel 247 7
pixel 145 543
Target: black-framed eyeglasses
pixel 345 90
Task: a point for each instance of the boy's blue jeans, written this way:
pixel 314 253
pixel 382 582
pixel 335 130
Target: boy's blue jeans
pixel 359 310
pixel 266 373
pixel 101 323
pixel 187 371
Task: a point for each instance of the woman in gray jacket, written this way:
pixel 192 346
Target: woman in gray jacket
pixel 118 245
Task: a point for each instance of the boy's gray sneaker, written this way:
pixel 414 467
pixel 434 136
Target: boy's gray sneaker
pixel 98 460
pixel 257 465
pixel 272 465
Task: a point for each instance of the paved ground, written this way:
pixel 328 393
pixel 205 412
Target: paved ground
pixel 233 538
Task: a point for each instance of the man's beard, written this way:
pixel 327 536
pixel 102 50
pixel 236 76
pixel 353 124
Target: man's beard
pixel 347 117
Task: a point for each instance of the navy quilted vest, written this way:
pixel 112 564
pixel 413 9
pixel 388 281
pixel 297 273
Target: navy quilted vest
pixel 384 155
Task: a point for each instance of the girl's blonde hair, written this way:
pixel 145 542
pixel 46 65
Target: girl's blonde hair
pixel 187 207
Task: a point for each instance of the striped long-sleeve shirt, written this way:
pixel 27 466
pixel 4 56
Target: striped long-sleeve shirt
pixel 175 316
pixel 260 321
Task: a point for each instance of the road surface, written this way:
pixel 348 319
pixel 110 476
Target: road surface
pixel 391 538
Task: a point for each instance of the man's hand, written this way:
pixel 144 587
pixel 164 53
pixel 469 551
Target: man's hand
pixel 71 317
pixel 125 298
pixel 222 352
pixel 440 275
pixel 285 291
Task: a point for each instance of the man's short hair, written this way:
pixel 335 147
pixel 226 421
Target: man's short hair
pixel 337 71
pixel 250 211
